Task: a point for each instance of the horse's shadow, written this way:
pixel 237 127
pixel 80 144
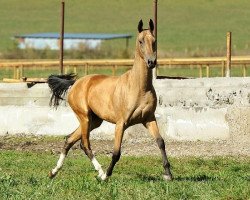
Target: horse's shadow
pixel 145 177
pixel 198 178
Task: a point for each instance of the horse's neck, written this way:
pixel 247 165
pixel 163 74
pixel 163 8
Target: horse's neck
pixel 141 76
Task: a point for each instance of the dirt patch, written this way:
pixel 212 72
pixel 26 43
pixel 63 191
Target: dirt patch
pixel 130 147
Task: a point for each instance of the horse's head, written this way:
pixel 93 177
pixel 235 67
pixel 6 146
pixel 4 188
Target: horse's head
pixel 146 45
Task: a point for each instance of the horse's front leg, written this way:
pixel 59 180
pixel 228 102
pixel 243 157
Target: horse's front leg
pixel 119 130
pixel 154 131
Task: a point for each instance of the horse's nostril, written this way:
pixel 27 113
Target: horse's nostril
pixel 150 62
pixel 155 62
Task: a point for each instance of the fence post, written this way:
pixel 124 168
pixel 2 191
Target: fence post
pixel 86 69
pixel 222 68
pixel 62 37
pixel 207 71
pixel 229 41
pixel 21 71
pixel 155 33
pixel 157 70
pixel 75 70
pixel 244 70
pixel 116 69
pixel 200 71
pixel 113 70
pixel 14 72
pixel 17 72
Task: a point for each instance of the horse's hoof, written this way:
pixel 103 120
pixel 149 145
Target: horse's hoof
pixel 167 177
pixel 51 175
pixel 103 177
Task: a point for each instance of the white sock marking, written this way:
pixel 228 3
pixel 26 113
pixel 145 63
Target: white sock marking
pixel 96 164
pixel 59 163
pixel 98 167
pixel 103 177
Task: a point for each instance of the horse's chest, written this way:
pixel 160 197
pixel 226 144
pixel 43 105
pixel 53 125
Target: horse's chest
pixel 145 107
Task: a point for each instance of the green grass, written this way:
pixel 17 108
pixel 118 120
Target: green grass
pixel 23 175
pixel 186 28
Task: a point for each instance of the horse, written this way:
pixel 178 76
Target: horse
pixel 123 100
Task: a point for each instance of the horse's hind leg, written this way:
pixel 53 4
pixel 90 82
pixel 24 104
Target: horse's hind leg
pixel 88 124
pixel 70 141
pixel 154 131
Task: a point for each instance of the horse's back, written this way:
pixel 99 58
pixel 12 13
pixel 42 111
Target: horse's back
pixel 94 92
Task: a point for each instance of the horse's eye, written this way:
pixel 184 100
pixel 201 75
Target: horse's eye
pixel 140 41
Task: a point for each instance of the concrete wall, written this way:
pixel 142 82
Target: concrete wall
pixel 194 109
pixel 204 109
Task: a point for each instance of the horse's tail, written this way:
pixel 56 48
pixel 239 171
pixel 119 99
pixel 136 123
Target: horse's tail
pixel 59 84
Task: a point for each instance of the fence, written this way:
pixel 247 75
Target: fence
pixel 17 67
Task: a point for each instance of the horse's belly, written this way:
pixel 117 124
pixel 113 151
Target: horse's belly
pixel 103 110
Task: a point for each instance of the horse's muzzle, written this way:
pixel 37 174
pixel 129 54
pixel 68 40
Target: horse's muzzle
pixel 151 63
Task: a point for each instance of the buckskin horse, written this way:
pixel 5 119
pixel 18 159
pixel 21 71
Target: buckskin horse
pixel 123 100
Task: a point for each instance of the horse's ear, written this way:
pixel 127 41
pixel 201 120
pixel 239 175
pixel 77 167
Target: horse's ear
pixel 140 25
pixel 151 25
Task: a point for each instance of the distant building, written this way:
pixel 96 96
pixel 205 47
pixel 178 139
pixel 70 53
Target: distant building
pixel 71 40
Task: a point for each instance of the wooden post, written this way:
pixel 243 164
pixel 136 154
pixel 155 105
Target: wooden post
pixel 155 33
pixel 21 71
pixel 200 71
pixel 229 41
pixel 8 69
pixel 222 68
pixel 62 37
pixel 86 69
pixel 207 71
pixel 14 72
pixel 157 71
pixel 113 70
pixel 75 70
pixel 244 70
pixel 17 72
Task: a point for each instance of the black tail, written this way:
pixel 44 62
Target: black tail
pixel 59 84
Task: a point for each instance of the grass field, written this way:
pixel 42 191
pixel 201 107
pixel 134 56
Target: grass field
pixel 186 28
pixel 23 175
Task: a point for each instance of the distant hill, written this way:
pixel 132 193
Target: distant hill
pixel 186 28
